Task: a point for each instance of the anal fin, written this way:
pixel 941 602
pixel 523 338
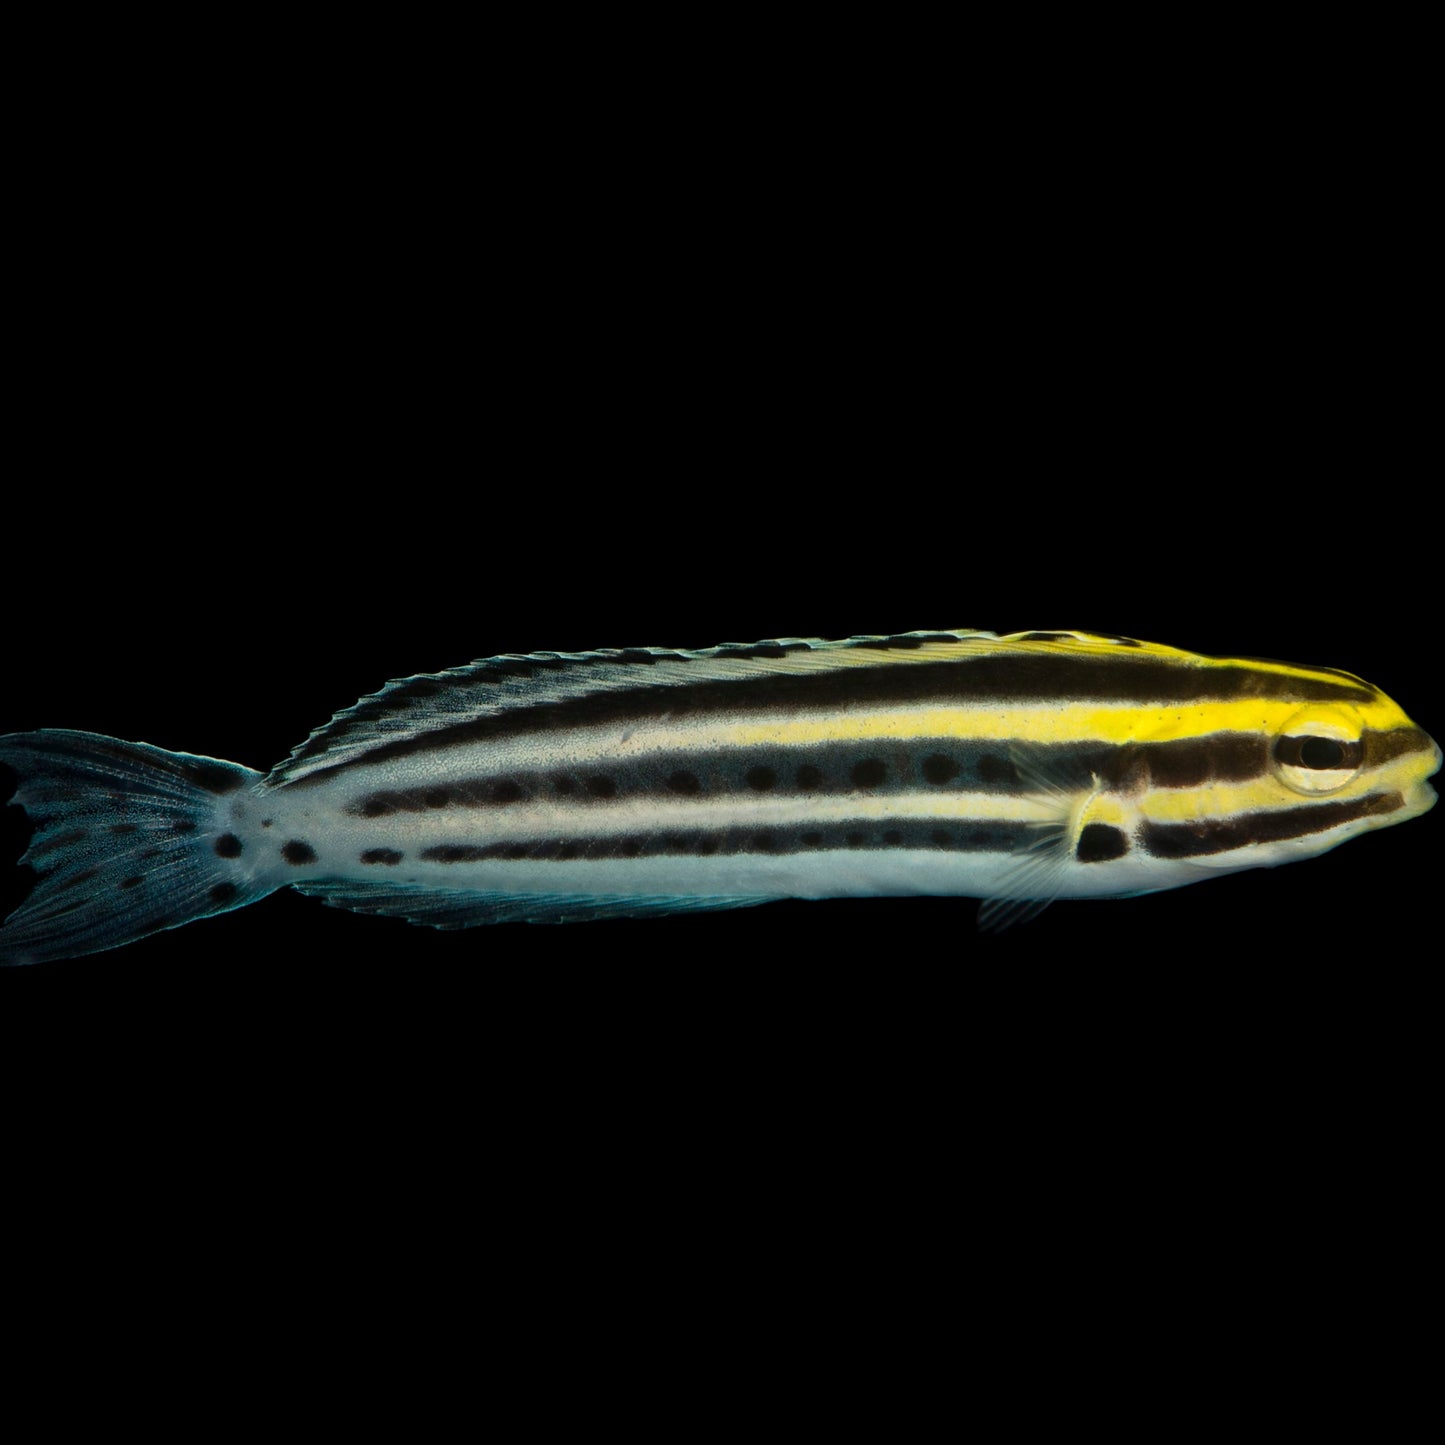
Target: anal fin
pixel 450 908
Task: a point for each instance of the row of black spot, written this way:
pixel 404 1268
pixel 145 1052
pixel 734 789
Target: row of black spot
pixel 228 845
pixel 1098 843
pixel 968 837
pixel 983 836
pixel 937 769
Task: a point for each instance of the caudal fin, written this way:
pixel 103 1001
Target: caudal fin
pixel 129 839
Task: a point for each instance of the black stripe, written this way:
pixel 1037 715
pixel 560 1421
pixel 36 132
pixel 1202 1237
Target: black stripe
pixel 400 697
pixel 1385 747
pixel 954 682
pixel 924 764
pixel 933 835
pixel 1193 762
pixel 1207 837
pixel 49 845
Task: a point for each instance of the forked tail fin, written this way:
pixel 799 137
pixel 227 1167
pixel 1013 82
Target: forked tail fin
pixel 129 839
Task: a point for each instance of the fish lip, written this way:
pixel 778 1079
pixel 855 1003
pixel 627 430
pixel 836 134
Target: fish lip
pixel 1425 797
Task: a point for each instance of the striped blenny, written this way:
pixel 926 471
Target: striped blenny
pixel 563 786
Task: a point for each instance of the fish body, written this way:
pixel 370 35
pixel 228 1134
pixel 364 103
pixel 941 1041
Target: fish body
pixel 557 787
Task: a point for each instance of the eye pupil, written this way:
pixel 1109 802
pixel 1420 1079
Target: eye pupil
pixel 1321 753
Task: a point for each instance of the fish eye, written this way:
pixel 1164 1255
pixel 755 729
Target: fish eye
pixel 1317 754
pixel 1321 752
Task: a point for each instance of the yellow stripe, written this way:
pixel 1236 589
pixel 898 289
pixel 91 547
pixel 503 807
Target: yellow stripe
pixel 1185 805
pixel 1074 722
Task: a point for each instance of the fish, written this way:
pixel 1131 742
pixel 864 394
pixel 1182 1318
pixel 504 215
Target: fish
pixel 554 787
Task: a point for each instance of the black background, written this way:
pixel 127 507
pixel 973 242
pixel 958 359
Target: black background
pixel 295 421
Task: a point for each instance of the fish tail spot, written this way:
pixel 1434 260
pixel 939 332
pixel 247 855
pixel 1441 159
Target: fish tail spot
pixel 127 839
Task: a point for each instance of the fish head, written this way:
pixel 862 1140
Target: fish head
pixel 1336 770
pixel 1287 775
pixel 1342 752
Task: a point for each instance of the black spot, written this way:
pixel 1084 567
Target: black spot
pixel 902 643
pixel 940 838
pixel 507 791
pixel 631 847
pixel 566 851
pixel 764 843
pixel 1188 762
pixel 637 654
pixel 994 769
pixel 456 853
pixel 437 798
pixel 1046 637
pixel 761 778
pixel 856 840
pixel 563 786
pixel 60 840
pixel 1099 842
pixel 132 882
pixel 228 845
pixel 869 773
pixel 809 777
pixel 84 876
pixel 122 828
pixel 214 777
pixel 675 843
pixel 812 840
pixel 266 822
pixel 183 827
pixel 375 808
pixel 893 838
pixel 223 892
pixel 707 845
pixel 389 856
pixel 602 787
pixel 297 852
pixel 684 782
pixel 516 851
pixel 939 769
pixel 762 649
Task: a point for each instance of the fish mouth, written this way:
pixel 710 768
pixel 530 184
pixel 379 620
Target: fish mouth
pixel 1422 796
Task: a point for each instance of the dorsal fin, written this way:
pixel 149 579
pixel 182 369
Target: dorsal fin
pixel 414 705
